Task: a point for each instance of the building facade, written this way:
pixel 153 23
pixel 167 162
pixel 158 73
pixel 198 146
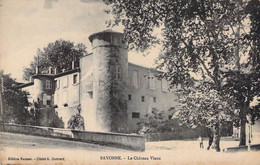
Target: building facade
pixel 113 94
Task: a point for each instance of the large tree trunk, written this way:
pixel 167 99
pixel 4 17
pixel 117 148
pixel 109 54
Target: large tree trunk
pixel 242 139
pixel 216 138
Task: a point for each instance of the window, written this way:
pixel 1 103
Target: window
pixel 143 99
pixel 75 79
pixel 48 84
pixel 129 97
pixel 48 102
pixel 151 82
pixel 164 85
pixel 154 99
pixel 135 78
pixel 136 115
pixel 118 72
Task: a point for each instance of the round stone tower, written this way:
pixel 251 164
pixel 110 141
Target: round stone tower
pixel 39 87
pixel 110 74
pixel 42 94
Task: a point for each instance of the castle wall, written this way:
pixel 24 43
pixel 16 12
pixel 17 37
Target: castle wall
pixel 86 92
pixel 155 95
pixel 66 96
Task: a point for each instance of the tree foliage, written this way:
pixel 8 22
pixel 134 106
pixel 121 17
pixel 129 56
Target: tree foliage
pixel 201 105
pixel 158 122
pixel 58 54
pixel 243 87
pixel 15 102
pixel 197 36
pixel 152 123
pixel 253 10
pixel 76 122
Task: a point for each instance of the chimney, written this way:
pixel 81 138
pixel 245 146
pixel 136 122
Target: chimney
pixel 73 65
pixel 55 70
pixel 50 70
pixel 37 70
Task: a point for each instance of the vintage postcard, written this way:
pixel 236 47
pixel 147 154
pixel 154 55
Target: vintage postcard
pixel 129 82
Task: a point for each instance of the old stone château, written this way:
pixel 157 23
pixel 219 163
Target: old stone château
pixel 113 93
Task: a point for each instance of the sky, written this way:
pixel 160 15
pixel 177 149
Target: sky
pixel 26 25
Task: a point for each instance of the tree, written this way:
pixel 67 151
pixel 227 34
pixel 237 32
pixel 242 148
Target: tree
pixel 158 122
pixel 253 9
pixel 198 38
pixel 243 84
pixel 203 106
pixel 152 123
pixel 15 102
pixel 243 87
pixel 58 54
pixel 76 122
